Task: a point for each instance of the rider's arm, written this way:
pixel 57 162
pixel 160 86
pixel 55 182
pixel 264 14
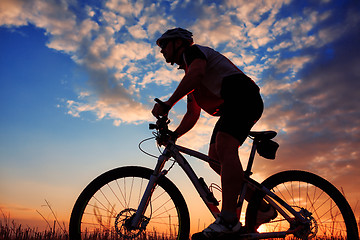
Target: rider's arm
pixel 190 118
pixel 193 77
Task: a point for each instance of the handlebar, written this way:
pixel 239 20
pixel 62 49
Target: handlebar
pixel 161 124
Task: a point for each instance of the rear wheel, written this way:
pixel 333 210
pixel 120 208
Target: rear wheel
pixel 106 206
pixel 329 214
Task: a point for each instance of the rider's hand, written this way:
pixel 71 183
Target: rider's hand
pixel 159 110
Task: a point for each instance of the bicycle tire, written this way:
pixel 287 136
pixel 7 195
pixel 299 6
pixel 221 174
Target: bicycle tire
pixel 332 216
pixel 112 197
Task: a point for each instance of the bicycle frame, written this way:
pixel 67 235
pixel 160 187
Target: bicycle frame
pixel 173 150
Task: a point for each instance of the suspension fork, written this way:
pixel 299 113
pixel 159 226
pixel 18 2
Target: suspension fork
pixel 145 200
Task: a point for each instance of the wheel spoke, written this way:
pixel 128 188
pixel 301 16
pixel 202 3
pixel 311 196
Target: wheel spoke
pixel 327 211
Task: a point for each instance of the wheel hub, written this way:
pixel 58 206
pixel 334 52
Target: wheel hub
pixel 306 230
pixel 123 224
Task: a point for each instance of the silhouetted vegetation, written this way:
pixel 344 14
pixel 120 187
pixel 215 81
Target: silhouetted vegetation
pixel 10 230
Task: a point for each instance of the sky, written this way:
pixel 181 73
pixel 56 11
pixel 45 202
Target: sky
pixel 78 79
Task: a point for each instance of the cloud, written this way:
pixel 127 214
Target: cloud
pixel 11 13
pixel 214 26
pixel 13 207
pixel 95 46
pixel 299 55
pixel 112 19
pixel 199 136
pixel 274 87
pixel 134 113
pixel 317 116
pixel 115 58
pixel 125 8
pixel 137 31
pixel 280 46
pixel 251 12
pixel 293 64
pixel 60 23
pixel 161 77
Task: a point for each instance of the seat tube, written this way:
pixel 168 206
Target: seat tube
pixel 251 159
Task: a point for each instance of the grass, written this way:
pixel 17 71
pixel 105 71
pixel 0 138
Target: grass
pixel 10 230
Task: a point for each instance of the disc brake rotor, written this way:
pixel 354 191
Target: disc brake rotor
pixel 308 230
pixel 123 224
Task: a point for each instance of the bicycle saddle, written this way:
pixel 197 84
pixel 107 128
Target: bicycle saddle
pixel 263 135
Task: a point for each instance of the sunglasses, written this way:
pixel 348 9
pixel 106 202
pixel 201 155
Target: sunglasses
pixel 163 44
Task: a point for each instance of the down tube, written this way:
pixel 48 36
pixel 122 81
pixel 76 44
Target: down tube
pixel 202 189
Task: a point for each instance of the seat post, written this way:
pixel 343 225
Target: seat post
pixel 248 172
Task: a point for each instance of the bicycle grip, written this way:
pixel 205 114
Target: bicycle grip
pixel 160 102
pixel 163 105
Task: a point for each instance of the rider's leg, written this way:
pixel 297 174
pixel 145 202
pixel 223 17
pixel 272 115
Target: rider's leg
pixel 231 170
pixel 217 168
pixel 213 155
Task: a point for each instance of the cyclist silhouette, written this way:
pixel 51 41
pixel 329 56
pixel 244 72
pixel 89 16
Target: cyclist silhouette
pixel 213 83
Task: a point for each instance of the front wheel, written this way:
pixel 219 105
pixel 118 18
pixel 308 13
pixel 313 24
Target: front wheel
pixel 106 206
pixel 326 209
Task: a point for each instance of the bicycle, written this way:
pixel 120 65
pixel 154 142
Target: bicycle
pixel 135 202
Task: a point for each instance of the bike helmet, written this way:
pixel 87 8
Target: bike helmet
pixel 174 34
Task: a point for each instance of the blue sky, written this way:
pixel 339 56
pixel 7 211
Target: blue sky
pixel 78 81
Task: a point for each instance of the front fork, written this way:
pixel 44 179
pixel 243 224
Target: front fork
pixel 135 223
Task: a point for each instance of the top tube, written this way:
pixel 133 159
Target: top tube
pixel 196 154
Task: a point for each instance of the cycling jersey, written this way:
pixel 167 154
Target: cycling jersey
pixel 241 105
pixel 217 66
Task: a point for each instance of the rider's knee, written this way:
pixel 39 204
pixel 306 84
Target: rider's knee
pixel 226 145
pixel 212 152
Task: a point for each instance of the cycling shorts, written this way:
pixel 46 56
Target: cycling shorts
pixel 241 109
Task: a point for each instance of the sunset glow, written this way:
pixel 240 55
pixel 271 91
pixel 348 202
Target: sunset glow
pixel 78 79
